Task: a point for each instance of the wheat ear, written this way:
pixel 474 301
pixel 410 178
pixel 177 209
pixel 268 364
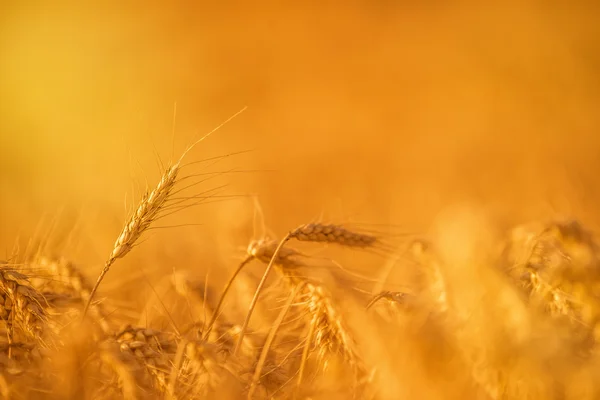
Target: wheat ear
pixel 21 303
pixel 315 232
pixel 331 233
pixel 153 349
pixel 330 328
pixel 147 211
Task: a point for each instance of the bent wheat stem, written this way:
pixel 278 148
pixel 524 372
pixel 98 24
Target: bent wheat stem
pixel 269 341
pixel 258 290
pixel 217 309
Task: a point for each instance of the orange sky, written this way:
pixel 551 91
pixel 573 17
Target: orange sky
pixel 384 111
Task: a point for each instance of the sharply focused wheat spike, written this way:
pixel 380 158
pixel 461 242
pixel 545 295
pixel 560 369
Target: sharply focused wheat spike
pixel 408 210
pixel 146 213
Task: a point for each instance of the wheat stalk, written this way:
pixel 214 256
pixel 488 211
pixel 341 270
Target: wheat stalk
pixel 258 290
pixel 306 351
pixel 311 233
pixel 269 341
pixel 217 309
pixel 263 250
pixel 326 325
pixel 147 212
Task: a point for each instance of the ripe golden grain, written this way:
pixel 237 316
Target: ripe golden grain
pixel 493 340
pixel 146 213
pixel 523 324
pixel 67 273
pixel 23 308
pixel 312 233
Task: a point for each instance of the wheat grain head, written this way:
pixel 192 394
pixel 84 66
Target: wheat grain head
pixel 147 212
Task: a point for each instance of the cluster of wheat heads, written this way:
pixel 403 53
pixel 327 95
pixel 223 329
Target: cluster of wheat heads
pixel 508 318
pixel 481 316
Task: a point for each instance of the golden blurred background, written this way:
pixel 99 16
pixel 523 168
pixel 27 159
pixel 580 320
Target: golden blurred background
pixel 380 111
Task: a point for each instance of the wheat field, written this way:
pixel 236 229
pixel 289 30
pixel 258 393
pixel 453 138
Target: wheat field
pixel 317 200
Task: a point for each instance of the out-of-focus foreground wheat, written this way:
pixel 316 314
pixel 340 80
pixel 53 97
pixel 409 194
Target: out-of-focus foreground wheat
pixel 455 146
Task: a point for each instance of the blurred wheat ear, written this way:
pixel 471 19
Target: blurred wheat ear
pixel 148 210
pixel 314 232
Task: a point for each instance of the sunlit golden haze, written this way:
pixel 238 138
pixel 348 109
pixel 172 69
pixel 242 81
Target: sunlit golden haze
pixel 455 119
